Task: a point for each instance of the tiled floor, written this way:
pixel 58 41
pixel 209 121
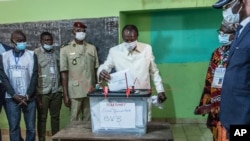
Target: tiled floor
pixel 191 132
pixel 181 132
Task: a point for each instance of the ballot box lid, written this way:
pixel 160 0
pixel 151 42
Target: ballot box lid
pixel 121 93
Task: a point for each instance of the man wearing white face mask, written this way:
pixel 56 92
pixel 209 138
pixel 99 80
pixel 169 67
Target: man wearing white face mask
pixel 138 58
pixel 231 9
pixel 49 91
pixel 78 65
pixel 18 72
pixel 231 12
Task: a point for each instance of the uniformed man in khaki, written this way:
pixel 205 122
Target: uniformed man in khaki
pixel 78 66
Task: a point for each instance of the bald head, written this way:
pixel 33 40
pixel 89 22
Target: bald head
pixel 129 33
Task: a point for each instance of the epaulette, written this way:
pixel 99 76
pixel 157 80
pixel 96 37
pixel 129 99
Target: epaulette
pixel 64 45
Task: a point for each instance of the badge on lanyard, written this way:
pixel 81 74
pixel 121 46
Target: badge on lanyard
pixel 218 77
pixel 52 70
pixel 17 73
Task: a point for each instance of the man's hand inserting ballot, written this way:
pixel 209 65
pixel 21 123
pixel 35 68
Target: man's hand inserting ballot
pixel 104 76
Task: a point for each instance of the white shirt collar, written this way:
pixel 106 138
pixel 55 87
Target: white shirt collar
pixel 245 21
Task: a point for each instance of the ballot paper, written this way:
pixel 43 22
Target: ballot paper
pixel 118 80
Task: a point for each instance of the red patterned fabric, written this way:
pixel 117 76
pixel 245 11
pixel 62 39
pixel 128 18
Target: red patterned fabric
pixel 210 98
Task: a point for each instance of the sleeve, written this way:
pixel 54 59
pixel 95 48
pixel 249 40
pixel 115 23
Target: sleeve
pixel 5 80
pixel 6 47
pixel 34 78
pixel 107 65
pixel 96 59
pixel 206 93
pixel 63 60
pixel 154 72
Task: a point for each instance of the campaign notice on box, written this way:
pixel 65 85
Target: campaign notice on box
pixel 239 132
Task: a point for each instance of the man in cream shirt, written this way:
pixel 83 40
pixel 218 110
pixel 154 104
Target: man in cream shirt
pixel 138 58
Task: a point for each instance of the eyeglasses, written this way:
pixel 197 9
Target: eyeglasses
pixel 224 33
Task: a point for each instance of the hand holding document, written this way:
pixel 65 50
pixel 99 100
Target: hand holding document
pixel 118 80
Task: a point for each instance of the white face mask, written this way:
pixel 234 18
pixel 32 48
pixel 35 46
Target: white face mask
pixel 224 39
pixel 130 46
pixel 230 17
pixel 47 47
pixel 80 35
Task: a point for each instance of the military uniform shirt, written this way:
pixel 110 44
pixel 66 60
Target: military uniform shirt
pixel 80 61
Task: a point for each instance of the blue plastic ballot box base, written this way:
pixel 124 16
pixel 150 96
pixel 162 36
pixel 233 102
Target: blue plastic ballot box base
pixel 117 113
pixel 80 131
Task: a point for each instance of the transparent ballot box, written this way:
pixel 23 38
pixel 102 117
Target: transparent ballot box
pixel 118 113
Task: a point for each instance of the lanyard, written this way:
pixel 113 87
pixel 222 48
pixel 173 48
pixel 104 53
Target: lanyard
pixel 17 58
pixel 224 55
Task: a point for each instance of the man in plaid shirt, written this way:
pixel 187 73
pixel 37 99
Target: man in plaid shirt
pixel 49 86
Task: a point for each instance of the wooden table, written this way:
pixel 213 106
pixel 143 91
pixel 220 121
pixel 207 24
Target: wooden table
pixel 78 131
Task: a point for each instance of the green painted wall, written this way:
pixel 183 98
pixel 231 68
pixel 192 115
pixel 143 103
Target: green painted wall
pixel 183 81
pixel 182 41
pixel 12 11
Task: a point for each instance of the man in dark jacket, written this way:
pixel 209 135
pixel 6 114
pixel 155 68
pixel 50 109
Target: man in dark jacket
pixel 3 48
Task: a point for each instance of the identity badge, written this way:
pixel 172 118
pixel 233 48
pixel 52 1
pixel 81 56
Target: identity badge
pixel 52 70
pixel 218 77
pixel 16 73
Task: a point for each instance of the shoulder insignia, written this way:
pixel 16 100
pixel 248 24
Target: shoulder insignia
pixel 65 45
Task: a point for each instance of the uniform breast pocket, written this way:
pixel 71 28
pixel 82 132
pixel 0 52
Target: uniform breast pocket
pixel 74 59
pixel 43 63
pixel 91 59
pixel 42 77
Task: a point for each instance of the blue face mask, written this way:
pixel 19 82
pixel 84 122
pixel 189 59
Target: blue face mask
pixel 21 46
pixel 224 39
pixel 47 47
